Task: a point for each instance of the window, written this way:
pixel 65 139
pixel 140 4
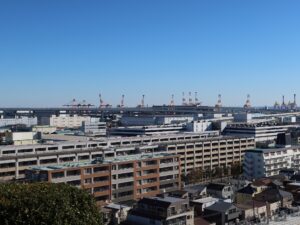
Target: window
pixel 88 171
pixel 58 175
pixel 88 181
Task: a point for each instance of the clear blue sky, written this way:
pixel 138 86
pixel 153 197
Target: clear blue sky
pixel 54 50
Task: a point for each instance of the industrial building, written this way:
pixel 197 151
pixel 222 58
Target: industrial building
pixel 94 127
pixel 22 138
pixel 155 120
pixel 147 130
pixel 64 121
pixel 261 132
pixel 121 179
pixel 26 121
pixel 195 150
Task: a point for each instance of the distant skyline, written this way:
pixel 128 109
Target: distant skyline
pixel 52 51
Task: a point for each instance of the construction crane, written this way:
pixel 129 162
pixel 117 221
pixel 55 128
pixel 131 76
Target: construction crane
pixel 122 105
pixel 190 98
pixel 103 104
pixel 77 105
pixel 196 98
pixel 283 105
pixel 142 105
pixel 72 104
pixel 85 104
pixel 248 102
pixel 219 103
pixel 183 99
pixel 172 102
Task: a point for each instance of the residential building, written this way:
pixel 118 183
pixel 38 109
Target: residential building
pixel 196 191
pixel 201 204
pixel 119 179
pixel 222 213
pixel 222 191
pixel 162 211
pixel 252 210
pixel 269 162
pixel 195 150
pixel 114 214
pixel 275 196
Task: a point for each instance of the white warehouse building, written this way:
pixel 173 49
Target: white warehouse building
pixel 65 121
pixel 27 121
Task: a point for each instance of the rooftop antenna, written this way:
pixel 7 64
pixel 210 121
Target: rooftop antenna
pixel 183 99
pixel 190 98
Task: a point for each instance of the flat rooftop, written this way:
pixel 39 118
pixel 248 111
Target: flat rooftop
pixel 118 159
pixel 269 150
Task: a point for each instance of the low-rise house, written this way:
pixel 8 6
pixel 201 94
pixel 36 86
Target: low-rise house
pixel 246 194
pixel 288 172
pixel 252 210
pixel 114 214
pixel 177 194
pixel 295 178
pixel 294 188
pixel 161 211
pixel 274 195
pixel 196 192
pixel 222 213
pixel 203 203
pixel 222 191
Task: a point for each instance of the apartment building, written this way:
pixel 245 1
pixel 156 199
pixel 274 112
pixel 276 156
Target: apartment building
pixel 260 163
pixel 195 150
pixel 119 179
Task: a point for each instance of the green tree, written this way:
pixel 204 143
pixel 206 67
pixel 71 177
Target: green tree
pixel 236 169
pixel 46 204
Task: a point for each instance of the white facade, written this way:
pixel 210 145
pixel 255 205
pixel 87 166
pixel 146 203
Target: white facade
pixel 199 126
pixel 260 132
pixel 268 162
pixel 94 127
pixel 28 121
pixel 21 138
pixel 155 120
pixel 67 121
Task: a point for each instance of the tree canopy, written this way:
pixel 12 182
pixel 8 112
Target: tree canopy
pixel 45 204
